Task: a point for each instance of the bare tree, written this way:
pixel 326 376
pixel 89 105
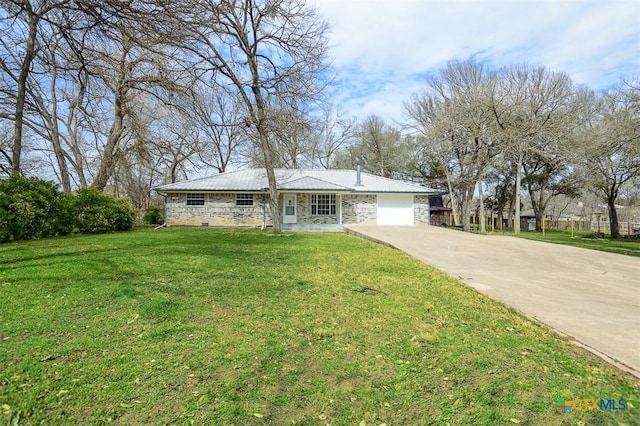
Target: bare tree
pixel 25 17
pixel 333 132
pixel 453 116
pixel 271 53
pixel 377 147
pixel 291 137
pixel 217 119
pixel 609 146
pixel 77 122
pixel 44 107
pixel 129 69
pixel 142 155
pixel 175 139
pixel 45 42
pixel 546 176
pixel 424 111
pixel 529 106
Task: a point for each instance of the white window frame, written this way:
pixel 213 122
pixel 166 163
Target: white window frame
pixel 195 199
pixel 326 205
pixel 244 200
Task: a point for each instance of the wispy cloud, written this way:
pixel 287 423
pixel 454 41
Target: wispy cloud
pixel 383 49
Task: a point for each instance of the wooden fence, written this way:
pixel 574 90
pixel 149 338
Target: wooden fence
pixel 626 228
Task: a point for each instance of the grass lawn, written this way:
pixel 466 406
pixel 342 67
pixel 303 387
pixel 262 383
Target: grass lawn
pixel 210 326
pixel 620 246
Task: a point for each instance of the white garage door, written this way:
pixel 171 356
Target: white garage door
pixel 395 209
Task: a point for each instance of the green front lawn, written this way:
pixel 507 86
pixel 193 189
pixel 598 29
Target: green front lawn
pixel 580 239
pixel 209 326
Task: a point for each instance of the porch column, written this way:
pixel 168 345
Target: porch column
pixel 340 208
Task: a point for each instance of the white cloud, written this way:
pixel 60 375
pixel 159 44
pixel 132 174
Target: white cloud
pixel 382 49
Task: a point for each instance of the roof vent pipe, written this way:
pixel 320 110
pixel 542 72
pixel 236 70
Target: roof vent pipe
pixel 358 179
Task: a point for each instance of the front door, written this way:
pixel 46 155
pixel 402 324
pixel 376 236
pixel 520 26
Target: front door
pixel 290 209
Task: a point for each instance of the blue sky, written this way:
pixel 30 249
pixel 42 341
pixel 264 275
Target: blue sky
pixel 383 49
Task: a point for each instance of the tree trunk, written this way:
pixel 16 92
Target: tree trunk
pixel 55 137
pixel 108 163
pixel 539 213
pixel 60 156
pixel 613 216
pixel 274 202
pixel 454 209
pixel 483 218
pixel 172 171
pixel 516 222
pixel 267 152
pixel 537 210
pixel 500 211
pixel 467 196
pixel 269 161
pixel 29 54
pixel 78 159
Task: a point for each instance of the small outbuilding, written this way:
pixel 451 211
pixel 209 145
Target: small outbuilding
pixel 439 214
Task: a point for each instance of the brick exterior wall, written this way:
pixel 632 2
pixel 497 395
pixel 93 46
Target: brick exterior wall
pixel 220 210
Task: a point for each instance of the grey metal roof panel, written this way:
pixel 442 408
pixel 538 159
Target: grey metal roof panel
pixel 309 180
pixel 308 183
pixel 240 180
pixel 368 182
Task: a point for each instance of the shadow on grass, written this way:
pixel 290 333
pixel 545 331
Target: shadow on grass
pixel 57 255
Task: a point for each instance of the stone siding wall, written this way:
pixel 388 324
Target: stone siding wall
pixel 305 216
pixel 359 208
pixel 219 210
pixel 421 209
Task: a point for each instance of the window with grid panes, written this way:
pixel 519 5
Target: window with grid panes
pixel 323 204
pixel 244 200
pixel 195 199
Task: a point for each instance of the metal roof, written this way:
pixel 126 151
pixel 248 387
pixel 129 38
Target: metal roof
pixel 255 180
pixel 308 183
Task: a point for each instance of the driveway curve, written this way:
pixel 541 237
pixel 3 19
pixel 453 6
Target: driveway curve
pixel 591 296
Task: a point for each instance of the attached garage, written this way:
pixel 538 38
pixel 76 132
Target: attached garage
pixel 395 209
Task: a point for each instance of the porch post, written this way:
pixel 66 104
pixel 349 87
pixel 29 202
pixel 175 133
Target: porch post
pixel 340 207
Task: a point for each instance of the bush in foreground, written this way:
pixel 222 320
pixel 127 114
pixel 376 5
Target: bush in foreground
pixel 97 212
pixel 34 208
pixel 153 216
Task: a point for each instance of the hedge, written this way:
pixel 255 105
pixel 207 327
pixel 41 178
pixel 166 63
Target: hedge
pixel 35 208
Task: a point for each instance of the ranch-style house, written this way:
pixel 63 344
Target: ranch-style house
pixel 309 199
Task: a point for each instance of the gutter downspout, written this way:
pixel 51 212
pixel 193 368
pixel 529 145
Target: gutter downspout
pixel 264 213
pixel 164 225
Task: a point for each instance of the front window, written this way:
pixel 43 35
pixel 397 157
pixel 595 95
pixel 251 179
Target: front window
pixel 244 199
pixel 323 204
pixel 195 199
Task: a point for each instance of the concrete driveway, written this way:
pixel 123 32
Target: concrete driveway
pixel 593 297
